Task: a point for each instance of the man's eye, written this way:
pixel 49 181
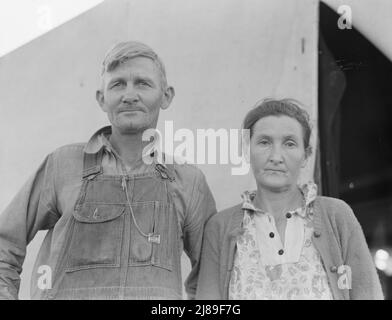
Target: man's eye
pixel 143 83
pixel 116 85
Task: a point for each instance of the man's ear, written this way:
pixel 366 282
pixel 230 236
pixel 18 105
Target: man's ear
pixel 168 97
pixel 100 99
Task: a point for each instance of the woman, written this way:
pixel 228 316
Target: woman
pixel 283 241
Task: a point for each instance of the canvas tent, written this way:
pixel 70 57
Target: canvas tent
pixel 220 56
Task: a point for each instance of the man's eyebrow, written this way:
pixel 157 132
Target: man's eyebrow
pixel 144 77
pixel 114 79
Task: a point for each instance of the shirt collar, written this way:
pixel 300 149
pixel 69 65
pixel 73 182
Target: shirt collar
pixel 100 139
pixel 308 190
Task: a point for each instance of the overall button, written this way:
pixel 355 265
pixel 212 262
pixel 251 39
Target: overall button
pixel 317 234
pixel 280 252
pixel 334 269
pixel 272 234
pixel 288 215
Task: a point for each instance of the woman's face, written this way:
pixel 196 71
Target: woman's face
pixel 277 152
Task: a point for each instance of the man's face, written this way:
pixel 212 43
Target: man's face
pixel 277 152
pixel 132 95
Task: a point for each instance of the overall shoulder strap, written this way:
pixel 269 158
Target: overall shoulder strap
pixel 92 164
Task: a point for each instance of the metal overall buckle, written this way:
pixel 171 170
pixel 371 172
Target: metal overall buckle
pixel 154 238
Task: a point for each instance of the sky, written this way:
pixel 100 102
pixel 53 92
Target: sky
pixel 23 20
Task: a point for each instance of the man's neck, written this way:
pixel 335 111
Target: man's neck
pixel 129 147
pixel 278 203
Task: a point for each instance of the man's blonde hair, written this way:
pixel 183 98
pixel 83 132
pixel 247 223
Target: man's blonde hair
pixel 124 51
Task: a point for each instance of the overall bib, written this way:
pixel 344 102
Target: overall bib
pixel 122 240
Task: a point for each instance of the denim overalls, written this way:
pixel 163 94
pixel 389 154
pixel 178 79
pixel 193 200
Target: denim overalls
pixel 113 251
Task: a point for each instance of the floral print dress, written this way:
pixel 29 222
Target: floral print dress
pixel 266 269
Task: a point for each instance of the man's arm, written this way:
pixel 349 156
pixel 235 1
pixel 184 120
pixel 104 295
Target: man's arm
pixel 31 210
pixel 202 207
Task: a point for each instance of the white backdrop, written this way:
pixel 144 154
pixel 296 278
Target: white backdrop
pixel 221 56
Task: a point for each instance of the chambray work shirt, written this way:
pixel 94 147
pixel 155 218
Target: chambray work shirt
pixel 47 202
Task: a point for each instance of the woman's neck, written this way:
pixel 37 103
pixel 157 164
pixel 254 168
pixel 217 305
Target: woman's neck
pixel 278 203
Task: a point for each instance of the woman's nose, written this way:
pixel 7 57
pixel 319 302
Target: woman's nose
pixel 276 155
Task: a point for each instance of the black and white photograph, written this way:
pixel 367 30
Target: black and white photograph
pixel 196 150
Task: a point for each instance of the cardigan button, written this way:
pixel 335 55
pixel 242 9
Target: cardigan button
pixel 334 269
pixel 317 234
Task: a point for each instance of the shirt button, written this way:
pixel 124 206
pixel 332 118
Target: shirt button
pixel 271 235
pixel 317 234
pixel 333 269
pixel 280 252
pixel 288 215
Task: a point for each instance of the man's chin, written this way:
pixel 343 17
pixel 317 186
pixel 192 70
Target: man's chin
pixel 131 127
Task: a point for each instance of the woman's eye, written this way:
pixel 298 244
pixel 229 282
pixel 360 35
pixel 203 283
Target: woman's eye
pixel 291 144
pixel 263 142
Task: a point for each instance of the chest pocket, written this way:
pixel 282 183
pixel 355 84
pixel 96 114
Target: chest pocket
pixel 96 237
pixel 152 217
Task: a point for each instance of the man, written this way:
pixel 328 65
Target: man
pixel 117 217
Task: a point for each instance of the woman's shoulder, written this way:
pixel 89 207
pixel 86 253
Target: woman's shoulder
pixel 336 209
pixel 333 203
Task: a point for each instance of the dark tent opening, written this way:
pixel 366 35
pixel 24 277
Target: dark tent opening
pixel 355 130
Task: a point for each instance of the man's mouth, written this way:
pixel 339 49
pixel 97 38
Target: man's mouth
pixel 130 110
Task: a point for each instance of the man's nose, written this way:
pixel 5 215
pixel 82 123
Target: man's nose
pixel 276 155
pixel 130 94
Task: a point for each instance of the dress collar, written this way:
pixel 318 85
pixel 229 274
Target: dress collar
pixel 308 190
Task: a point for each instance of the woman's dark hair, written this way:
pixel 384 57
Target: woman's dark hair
pixel 284 107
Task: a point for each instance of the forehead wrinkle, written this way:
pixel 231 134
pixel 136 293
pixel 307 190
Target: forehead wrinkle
pixel 273 126
pixel 279 137
pixel 121 73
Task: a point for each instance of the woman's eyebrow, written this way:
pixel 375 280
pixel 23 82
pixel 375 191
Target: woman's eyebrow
pixel 290 136
pixel 262 135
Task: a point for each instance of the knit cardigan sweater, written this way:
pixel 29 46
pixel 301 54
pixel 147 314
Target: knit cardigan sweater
pixel 337 236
